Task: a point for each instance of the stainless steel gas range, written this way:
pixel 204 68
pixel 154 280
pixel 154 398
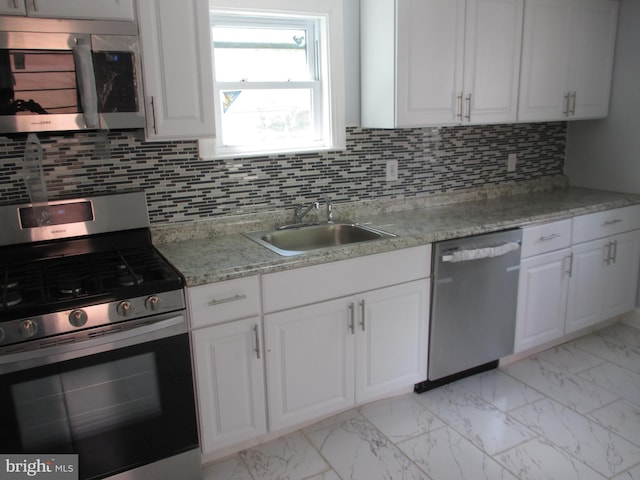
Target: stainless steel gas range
pixel 94 348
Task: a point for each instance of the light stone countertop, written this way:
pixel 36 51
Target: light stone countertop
pixel 211 253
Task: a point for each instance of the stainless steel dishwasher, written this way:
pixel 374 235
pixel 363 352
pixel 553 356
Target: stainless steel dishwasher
pixel 473 309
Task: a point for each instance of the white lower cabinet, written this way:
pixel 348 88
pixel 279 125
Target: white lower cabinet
pixel 331 355
pixel 604 280
pixel 542 299
pixel 577 273
pixel 230 382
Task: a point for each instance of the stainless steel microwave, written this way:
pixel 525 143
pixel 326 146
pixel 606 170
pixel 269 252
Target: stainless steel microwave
pixel 60 75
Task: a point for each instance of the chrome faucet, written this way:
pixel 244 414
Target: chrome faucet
pixel 329 210
pixel 300 211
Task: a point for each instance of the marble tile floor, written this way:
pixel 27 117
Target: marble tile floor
pixel 568 413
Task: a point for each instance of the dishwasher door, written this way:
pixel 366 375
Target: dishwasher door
pixel 475 293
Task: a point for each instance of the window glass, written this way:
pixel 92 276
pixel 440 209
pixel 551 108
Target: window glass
pixel 260 54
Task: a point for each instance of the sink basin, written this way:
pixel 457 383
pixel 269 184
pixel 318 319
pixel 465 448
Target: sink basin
pixel 293 241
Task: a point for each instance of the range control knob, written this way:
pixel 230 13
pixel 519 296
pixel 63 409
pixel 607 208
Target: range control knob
pixel 78 318
pixel 152 303
pixel 125 309
pixel 28 328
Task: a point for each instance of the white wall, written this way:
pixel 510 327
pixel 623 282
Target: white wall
pixel 605 153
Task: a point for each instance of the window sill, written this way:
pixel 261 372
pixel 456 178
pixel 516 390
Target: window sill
pixel 207 150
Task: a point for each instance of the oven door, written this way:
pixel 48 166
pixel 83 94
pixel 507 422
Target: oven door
pixel 119 402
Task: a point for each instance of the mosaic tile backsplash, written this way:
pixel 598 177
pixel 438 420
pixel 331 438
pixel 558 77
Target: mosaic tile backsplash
pixel 180 187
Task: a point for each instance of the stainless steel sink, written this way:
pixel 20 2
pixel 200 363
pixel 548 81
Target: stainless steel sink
pixel 297 240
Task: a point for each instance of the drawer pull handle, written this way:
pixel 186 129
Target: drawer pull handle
pixel 553 236
pixel 612 222
pixel 256 333
pixel 235 298
pixel 363 311
pixel 351 325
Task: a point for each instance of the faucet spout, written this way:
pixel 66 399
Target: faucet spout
pixel 300 211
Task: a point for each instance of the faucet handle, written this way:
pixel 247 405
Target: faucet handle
pixel 329 210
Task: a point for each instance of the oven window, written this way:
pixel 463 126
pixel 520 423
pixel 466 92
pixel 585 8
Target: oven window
pixel 37 82
pixel 117 410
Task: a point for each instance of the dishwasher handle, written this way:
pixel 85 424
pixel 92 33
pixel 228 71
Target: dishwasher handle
pixel 478 253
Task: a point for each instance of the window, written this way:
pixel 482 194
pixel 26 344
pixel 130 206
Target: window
pixel 278 80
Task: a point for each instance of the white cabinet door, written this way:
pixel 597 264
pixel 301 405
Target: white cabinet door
pixel 544 79
pixel 542 299
pixel 391 339
pixel 177 67
pixel 94 9
pixel 455 61
pixel 310 361
pixel 12 7
pixel 430 43
pixel 89 9
pixel 492 61
pixel 622 274
pixel 230 380
pixel 591 67
pixel 587 285
pixel 567 59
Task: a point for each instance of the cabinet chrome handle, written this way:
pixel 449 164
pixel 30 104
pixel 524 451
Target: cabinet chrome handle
pixel 468 116
pixel 362 315
pixel 614 255
pixel 15 3
pixel 459 97
pixel 607 258
pixel 553 236
pixel 235 298
pixel 352 325
pixel 572 112
pixel 570 270
pixel 256 334
pixel 565 112
pixel 612 222
pixel 35 5
pixel 153 116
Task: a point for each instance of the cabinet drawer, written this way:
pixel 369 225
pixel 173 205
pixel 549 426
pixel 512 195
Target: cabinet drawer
pixel 546 237
pixel 221 302
pixel 304 286
pixel 602 224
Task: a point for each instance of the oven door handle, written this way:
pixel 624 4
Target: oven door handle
pixel 106 340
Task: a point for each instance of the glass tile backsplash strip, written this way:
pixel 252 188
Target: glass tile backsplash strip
pixel 181 187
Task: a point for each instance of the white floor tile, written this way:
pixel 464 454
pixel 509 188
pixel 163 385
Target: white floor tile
pixel 566 388
pixel 232 469
pixel 500 389
pixel 579 436
pixel 570 358
pixel 539 459
pixel 401 418
pixel 616 379
pixel 291 457
pixel 358 451
pixel 632 474
pixel 484 424
pixel 622 333
pixel 620 417
pixel 446 455
pixel 615 352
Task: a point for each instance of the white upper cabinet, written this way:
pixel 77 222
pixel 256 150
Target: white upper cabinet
pixel 433 62
pixel 89 9
pixel 567 59
pixel 177 68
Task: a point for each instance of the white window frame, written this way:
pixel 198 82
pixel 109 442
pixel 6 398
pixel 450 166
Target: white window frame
pixel 330 63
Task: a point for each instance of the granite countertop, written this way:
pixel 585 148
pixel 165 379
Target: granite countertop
pixel 219 254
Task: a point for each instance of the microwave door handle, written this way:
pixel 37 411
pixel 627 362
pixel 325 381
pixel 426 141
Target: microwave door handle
pixel 86 82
